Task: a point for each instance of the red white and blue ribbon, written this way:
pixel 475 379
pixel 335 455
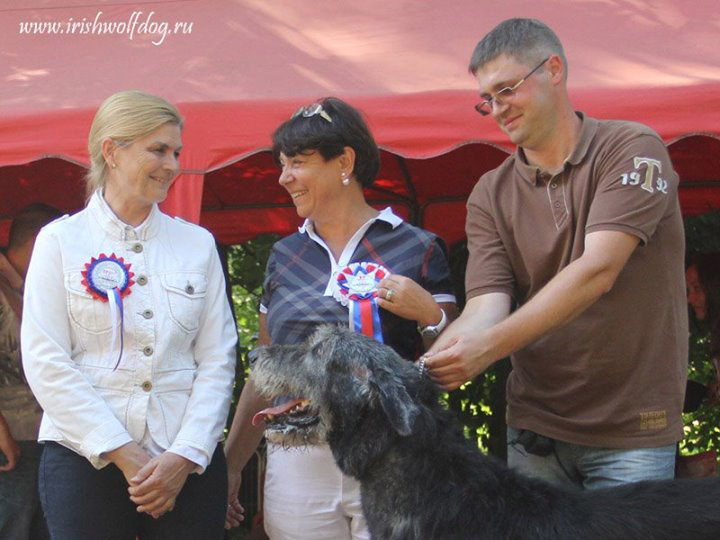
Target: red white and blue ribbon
pixel 108 279
pixel 356 288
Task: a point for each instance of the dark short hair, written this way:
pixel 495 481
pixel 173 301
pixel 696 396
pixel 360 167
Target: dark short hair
pixel 301 134
pixel 28 222
pixel 527 40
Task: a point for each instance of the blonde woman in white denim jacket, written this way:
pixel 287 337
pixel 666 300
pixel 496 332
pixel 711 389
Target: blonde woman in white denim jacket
pixel 134 423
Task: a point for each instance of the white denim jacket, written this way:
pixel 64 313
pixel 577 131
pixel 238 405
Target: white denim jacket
pixel 173 385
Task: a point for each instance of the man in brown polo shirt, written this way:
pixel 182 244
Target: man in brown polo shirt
pixel 580 232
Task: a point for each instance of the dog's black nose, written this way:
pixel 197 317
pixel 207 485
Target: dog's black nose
pixel 252 357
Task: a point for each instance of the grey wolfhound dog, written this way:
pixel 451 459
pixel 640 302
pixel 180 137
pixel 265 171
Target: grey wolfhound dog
pixel 422 479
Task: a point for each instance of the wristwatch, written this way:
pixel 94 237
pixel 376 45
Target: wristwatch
pixel 433 331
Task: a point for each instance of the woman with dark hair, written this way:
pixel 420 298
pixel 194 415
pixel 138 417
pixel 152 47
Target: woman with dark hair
pixel 327 156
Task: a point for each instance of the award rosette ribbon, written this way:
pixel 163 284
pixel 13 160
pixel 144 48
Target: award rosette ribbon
pixel 356 288
pixel 108 279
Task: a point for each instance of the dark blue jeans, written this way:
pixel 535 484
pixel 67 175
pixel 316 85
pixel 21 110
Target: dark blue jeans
pixel 21 517
pixel 81 502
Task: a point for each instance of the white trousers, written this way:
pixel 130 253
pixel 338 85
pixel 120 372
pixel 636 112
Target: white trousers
pixel 308 498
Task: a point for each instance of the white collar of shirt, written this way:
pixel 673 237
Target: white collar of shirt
pixel 115 227
pixel 386 215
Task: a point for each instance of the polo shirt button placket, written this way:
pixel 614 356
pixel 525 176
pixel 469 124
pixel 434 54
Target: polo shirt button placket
pixel 556 195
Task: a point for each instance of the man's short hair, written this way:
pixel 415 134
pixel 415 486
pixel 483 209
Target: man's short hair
pixel 28 222
pixel 526 40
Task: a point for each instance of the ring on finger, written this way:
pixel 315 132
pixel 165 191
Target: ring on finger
pixel 421 365
pixel 389 295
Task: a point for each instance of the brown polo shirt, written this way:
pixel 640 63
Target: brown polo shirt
pixel 615 375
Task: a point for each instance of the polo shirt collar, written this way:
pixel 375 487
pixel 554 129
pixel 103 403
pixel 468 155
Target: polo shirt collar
pixel 531 173
pixel 386 215
pixel 116 228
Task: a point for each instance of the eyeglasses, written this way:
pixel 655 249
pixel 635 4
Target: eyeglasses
pixel 486 107
pixel 312 110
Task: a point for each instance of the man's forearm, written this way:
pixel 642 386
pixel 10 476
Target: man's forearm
pixel 567 295
pixel 480 313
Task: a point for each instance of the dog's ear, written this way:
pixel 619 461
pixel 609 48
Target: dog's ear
pixel 399 407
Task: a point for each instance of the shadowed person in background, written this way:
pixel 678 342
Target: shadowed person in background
pixel 702 278
pixel 21 517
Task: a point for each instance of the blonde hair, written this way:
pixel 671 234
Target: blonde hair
pixel 124 117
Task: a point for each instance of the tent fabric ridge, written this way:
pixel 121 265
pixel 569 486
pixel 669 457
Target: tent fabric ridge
pixel 692 134
pixel 51 156
pixel 445 149
pixel 234 160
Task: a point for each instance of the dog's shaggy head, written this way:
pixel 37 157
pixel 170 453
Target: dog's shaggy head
pixel 341 382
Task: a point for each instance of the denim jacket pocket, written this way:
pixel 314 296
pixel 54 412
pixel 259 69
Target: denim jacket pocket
pixel 172 394
pixel 186 297
pixel 90 314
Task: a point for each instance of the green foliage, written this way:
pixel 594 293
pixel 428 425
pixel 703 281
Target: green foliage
pixel 246 269
pixel 702 233
pixel 479 404
pixel 702 427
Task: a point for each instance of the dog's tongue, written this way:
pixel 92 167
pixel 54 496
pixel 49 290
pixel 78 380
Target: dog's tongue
pixel 278 409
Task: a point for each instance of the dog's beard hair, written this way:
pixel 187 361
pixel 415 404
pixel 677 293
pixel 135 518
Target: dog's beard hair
pixel 287 439
pixel 272 383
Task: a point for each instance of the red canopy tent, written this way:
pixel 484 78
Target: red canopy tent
pixel 237 68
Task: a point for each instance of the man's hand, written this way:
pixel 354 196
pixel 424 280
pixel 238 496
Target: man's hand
pixel 156 486
pixel 464 349
pixel 483 338
pixel 466 357
pixel 8 446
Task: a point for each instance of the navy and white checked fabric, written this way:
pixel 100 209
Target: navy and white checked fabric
pixel 299 269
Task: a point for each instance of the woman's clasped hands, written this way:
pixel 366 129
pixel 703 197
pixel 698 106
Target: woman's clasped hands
pixel 154 482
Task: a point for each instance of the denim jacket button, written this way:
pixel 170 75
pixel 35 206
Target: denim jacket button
pixel 142 280
pixel 147 351
pixel 147 386
pixel 148 314
pixel 137 248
